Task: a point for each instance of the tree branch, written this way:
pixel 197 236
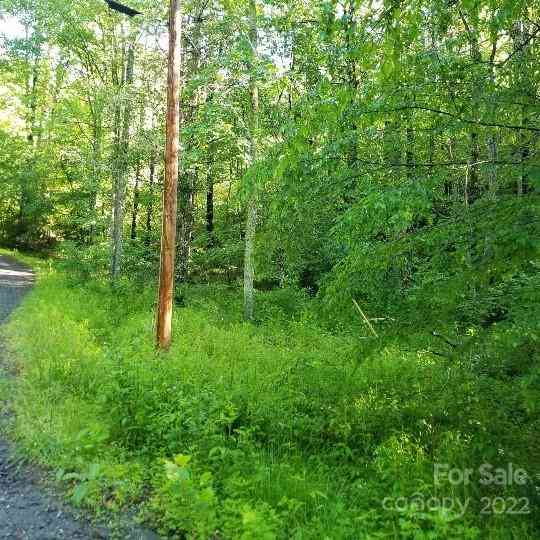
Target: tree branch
pixel 457 117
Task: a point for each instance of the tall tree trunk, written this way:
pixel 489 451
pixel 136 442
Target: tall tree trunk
pixel 251 219
pixel 31 127
pixel 170 187
pixel 136 199
pixel 150 207
pixel 23 224
pixel 136 190
pixel 186 195
pixel 121 175
pixel 95 181
pixel 210 210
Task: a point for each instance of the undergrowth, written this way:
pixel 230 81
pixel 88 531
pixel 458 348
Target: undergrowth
pixel 274 430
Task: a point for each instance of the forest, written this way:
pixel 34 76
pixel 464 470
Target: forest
pixel 355 327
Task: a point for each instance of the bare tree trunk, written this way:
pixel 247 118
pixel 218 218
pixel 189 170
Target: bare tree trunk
pixel 150 207
pixel 136 188
pixel 251 219
pixel 186 196
pixel 96 173
pixel 22 227
pixel 210 210
pixel 96 110
pixel 136 198
pixel 120 176
pixel 168 233
pixel 31 136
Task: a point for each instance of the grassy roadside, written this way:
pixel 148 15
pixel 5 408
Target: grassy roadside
pixel 37 263
pixel 279 430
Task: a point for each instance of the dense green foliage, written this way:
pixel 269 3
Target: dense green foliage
pixel 396 177
pixel 397 144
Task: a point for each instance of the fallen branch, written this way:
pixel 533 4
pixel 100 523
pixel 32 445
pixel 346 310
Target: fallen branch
pixel 365 318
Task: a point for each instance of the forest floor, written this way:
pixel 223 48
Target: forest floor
pixel 29 509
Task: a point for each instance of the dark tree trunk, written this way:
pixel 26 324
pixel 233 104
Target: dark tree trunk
pixel 150 207
pixel 210 211
pixel 186 196
pixel 136 199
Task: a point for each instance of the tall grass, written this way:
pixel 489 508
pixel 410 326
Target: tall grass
pixel 274 430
